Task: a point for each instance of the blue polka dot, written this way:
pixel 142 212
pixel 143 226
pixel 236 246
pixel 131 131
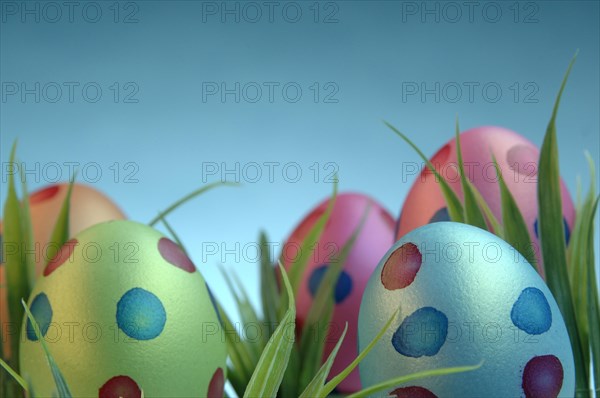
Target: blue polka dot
pixel 531 312
pixel 214 303
pixel 343 286
pixel 140 314
pixel 565 224
pixel 440 215
pixel 42 313
pixel 422 333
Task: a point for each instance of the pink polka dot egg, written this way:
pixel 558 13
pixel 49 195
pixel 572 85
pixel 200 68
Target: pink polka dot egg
pixel 124 310
pixel 517 158
pixel 466 297
pixel 372 242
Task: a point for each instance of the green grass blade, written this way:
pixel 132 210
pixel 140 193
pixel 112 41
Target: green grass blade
pixel 552 237
pixel 593 305
pixel 190 196
pixel 246 311
pixel 312 342
pixel 268 284
pixel 60 234
pixel 267 377
pixel 59 380
pixel 238 351
pixel 515 228
pixel 297 269
pixel 411 377
pixel 334 382
pixel 497 228
pixel 17 279
pixel 27 230
pixel 14 374
pixel 455 208
pixel 472 212
pixel 317 383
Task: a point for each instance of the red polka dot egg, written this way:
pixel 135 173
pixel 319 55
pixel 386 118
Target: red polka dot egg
pixel 373 240
pixel 124 310
pixel 465 297
pixel 517 158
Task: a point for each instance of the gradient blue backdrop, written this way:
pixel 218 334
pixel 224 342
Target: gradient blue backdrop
pixel 368 54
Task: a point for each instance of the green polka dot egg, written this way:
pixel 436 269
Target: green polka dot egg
pixel 123 311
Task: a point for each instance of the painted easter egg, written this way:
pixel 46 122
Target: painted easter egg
pixel 466 297
pixel 88 206
pixel 124 310
pixel 372 242
pixel 517 158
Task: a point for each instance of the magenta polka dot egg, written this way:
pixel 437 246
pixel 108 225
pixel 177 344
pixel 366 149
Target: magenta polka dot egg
pixel 123 311
pixel 466 297
pixel 372 242
pixel 517 158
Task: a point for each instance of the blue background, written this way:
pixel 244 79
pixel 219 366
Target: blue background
pixel 369 54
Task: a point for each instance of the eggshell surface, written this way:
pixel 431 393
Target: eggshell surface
pixel 517 158
pixel 465 297
pixel 373 240
pixel 124 310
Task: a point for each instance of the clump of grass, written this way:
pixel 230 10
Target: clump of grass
pixel 570 271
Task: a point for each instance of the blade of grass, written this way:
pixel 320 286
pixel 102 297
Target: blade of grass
pixel 238 352
pixel 17 279
pixel 552 237
pixel 14 374
pixel 26 229
pixel 312 346
pixel 59 380
pixel 60 234
pixel 247 314
pixel 297 269
pixel 316 385
pixel 411 377
pixel 188 197
pixel 334 382
pixel 267 377
pixel 593 304
pixel 268 284
pixel 497 228
pixel 472 212
pixel 515 228
pixel 455 208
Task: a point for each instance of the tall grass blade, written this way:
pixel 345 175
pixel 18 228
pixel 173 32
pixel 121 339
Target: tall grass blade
pixel 455 208
pixel 267 377
pixel 552 237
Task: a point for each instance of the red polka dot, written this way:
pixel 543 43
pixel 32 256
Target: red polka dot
pixel 412 392
pixel 401 267
pixel 543 377
pixel 216 388
pixel 120 387
pixel 523 159
pixel 173 254
pixel 64 253
pixel 44 194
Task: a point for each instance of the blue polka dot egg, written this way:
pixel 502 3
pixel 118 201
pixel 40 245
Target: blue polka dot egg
pixel 124 310
pixel 465 296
